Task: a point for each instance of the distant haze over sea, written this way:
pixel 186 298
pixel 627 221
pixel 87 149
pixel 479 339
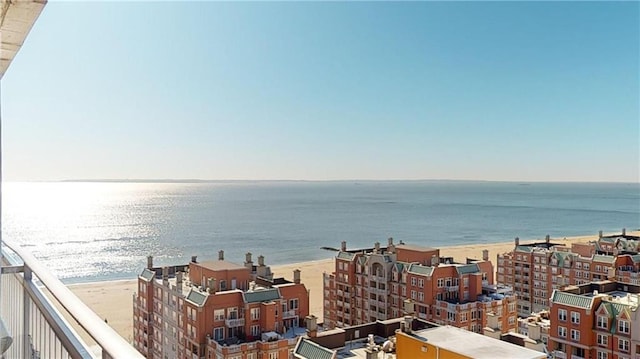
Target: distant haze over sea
pixel 90 231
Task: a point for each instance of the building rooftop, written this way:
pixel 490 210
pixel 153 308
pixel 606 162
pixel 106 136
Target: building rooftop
pixel 220 265
pixel 261 295
pixel 573 300
pixel 306 349
pixel 474 345
pixel 413 247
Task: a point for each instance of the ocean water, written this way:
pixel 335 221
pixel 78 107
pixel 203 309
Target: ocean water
pixel 103 231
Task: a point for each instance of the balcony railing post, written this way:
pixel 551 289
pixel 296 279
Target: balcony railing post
pixel 26 338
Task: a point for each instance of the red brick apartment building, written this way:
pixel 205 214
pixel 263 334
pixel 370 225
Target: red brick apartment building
pixel 598 320
pixel 217 309
pixel 534 270
pixel 373 284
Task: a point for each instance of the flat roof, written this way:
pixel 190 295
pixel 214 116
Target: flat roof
pixel 475 345
pixel 413 247
pixel 220 265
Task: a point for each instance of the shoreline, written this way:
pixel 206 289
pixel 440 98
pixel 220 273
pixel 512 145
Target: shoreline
pixel 113 299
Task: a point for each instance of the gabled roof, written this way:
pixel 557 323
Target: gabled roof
pixel 399 266
pixel 572 300
pixel 265 295
pixel 196 297
pixel 467 269
pixel 420 269
pixel 345 255
pixel 147 274
pixel 362 260
pixel 306 349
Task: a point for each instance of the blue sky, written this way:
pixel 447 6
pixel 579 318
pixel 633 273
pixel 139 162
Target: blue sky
pixel 515 91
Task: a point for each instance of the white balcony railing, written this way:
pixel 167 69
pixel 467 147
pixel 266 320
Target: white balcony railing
pixel 289 314
pixel 233 323
pixel 36 327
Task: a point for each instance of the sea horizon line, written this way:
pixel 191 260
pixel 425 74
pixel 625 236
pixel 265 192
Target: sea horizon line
pixel 355 181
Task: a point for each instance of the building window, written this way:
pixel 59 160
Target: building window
pixel 218 314
pixel 575 335
pixel 421 296
pixel 623 326
pixel 255 313
pixel 562 315
pixel 623 345
pixel 440 282
pixel 413 294
pixel 562 332
pixel 218 333
pixel 255 330
pixel 421 283
pixel 273 355
pixel 601 355
pixel 602 340
pixel 575 317
pixel 602 322
pixel 414 281
pixel 293 304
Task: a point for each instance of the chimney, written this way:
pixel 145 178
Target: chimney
pixel 376 247
pixel 517 241
pixel 194 259
pixel 434 260
pixel 165 272
pixel 179 280
pixel 408 307
pixel 311 322
pixel 248 263
pixel 547 239
pixel 211 285
pixel 296 276
pixel 150 262
pixel 390 241
pixel 343 246
pixel 624 231
pixel 220 255
pixel 261 260
pixel 485 255
pixel 599 234
pixel 408 324
pixel 371 353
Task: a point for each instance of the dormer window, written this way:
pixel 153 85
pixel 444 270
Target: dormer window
pixel 602 322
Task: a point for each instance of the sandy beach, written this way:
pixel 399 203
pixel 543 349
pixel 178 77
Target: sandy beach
pixel 113 300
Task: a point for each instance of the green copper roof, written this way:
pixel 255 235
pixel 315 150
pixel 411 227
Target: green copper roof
pixel 573 300
pixel 469 268
pixel 306 349
pixel 147 274
pixel 400 266
pixel 196 297
pixel 527 249
pixel 420 269
pixel 345 255
pixel 266 295
pixel 603 258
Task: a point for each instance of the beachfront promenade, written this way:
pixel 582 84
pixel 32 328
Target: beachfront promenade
pixel 113 300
